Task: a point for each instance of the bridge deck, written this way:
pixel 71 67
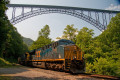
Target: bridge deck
pixel 61 7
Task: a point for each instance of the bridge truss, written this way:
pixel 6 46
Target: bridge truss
pixel 96 17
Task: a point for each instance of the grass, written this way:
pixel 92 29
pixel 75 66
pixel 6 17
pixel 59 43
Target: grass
pixel 5 78
pixel 5 64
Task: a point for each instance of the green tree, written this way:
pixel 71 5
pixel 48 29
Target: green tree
pixel 84 38
pixel 105 67
pixel 4 25
pixel 43 38
pixel 11 44
pixel 45 32
pixel 40 42
pixel 14 46
pixel 111 36
pixel 105 50
pixel 69 33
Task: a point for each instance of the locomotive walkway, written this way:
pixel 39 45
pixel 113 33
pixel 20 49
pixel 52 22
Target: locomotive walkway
pixel 26 73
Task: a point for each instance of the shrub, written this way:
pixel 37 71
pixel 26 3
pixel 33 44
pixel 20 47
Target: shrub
pixel 105 67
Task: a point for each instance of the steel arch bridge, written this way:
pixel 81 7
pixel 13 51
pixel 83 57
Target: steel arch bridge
pixel 96 17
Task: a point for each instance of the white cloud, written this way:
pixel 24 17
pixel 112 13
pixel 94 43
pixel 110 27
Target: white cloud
pixel 113 7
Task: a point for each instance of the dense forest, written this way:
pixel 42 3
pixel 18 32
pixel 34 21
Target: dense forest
pixel 11 43
pixel 102 53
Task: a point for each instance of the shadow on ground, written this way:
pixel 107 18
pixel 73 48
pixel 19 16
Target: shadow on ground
pixel 25 78
pixel 38 78
pixel 12 70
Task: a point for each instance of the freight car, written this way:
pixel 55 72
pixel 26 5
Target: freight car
pixel 60 55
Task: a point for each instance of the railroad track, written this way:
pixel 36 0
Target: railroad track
pixel 106 77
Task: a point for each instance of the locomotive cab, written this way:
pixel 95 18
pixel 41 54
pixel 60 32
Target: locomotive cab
pixel 74 60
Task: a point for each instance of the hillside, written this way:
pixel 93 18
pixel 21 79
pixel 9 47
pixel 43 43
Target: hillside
pixel 27 41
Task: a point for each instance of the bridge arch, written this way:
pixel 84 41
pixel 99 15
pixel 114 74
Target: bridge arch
pixel 73 11
pixel 76 14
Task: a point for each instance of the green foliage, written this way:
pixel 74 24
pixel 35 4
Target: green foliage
pixel 105 50
pixel 105 67
pixel 4 24
pixel 43 38
pixel 89 58
pixel 45 31
pixel 89 68
pixel 14 45
pixel 84 38
pixel 5 64
pixel 111 36
pixel 102 53
pixel 40 42
pixel 11 43
pixel 69 33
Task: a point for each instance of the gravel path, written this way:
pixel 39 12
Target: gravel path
pixel 26 73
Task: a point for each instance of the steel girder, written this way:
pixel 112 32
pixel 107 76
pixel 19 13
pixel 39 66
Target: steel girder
pixel 96 17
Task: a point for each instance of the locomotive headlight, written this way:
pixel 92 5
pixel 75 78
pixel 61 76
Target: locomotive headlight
pixel 74 57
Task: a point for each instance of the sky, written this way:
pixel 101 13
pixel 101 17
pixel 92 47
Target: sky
pixel 29 28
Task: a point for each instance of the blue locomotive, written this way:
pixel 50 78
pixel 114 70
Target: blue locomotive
pixel 60 55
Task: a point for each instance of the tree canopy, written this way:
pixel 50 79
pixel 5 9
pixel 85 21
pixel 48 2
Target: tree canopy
pixel 43 38
pixel 84 38
pixel 104 52
pixel 11 43
pixel 4 25
pixel 45 32
pixel 69 33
